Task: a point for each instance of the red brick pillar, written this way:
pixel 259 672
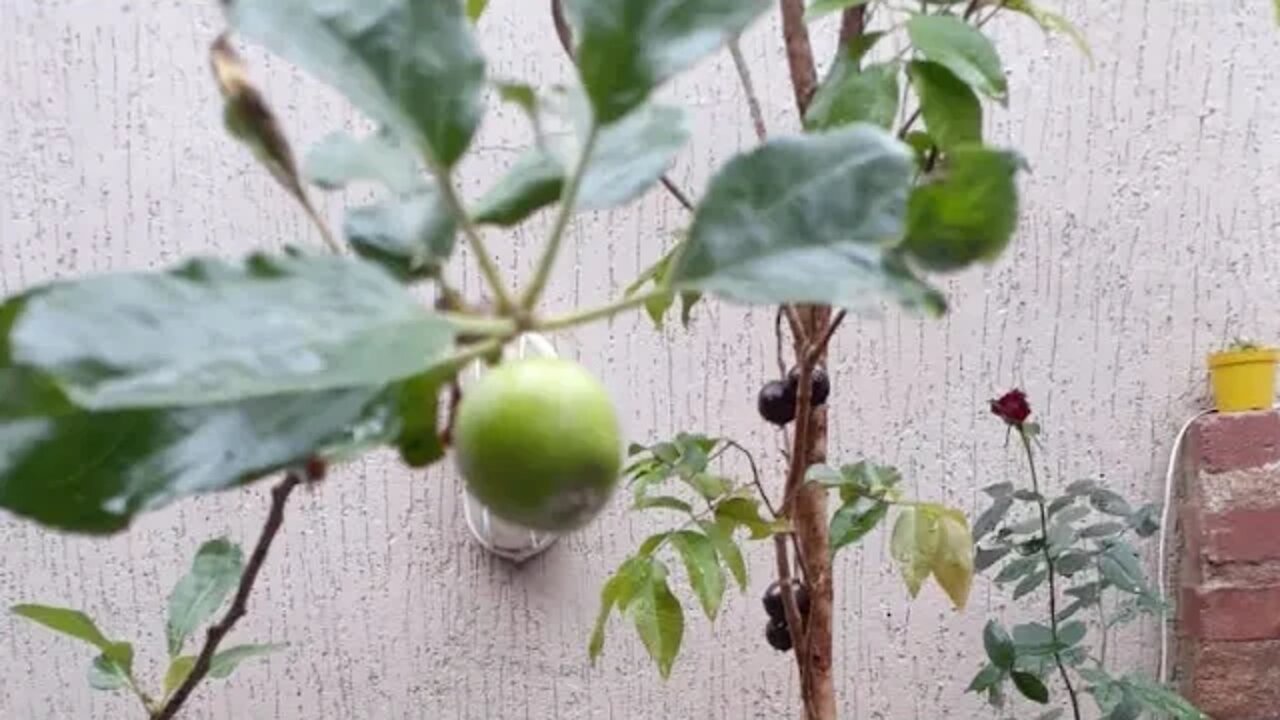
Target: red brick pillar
pixel 1229 573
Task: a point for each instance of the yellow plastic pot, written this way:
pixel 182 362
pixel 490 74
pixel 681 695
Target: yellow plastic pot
pixel 1243 379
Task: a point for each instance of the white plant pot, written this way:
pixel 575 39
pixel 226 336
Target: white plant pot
pixel 502 538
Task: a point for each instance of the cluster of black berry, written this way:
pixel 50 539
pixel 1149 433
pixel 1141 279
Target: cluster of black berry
pixel 776 631
pixel 777 399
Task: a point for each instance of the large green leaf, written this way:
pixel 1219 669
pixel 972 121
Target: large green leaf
pixel 411 236
pixel 69 622
pixel 849 94
pixel 1119 565
pixel 962 49
pixel 112 669
pixel 128 461
pixel 626 48
pixel 855 519
pixel 950 109
pixel 967 212
pixel 213 331
pixel 703 567
pixel 340 159
pixel 225 662
pixel 410 64
pixel 534 182
pixel 631 155
pixel 720 533
pixel 806 219
pixel 999 646
pixel 628 157
pixel 1031 687
pixel 658 618
pixel 617 593
pixel 215 571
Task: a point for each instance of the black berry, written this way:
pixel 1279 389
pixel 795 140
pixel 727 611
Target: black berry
pixel 819 383
pixel 773 600
pixel 777 402
pixel 778 635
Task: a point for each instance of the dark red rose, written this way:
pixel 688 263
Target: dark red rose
pixel 1012 407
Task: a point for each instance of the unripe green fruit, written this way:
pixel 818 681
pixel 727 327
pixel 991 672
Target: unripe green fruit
pixel 537 442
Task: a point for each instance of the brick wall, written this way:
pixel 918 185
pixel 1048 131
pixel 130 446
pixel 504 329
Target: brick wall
pixel 1229 573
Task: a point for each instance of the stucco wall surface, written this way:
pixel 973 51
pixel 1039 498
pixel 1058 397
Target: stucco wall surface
pixel 1147 239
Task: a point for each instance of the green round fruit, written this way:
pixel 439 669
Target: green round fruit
pixel 537 442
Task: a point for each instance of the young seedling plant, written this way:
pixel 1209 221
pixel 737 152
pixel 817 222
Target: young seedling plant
pixel 125 392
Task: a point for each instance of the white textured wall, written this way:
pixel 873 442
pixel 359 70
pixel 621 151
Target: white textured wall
pixel 1147 239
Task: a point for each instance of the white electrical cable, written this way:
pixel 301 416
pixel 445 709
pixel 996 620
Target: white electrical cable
pixel 1175 455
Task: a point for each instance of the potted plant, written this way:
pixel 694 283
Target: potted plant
pixel 1243 377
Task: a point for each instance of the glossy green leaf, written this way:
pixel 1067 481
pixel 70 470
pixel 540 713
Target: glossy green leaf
pixel 534 182
pixel 626 48
pixel 226 661
pixel 144 459
pixel 1119 565
pixel 413 66
pixel 111 670
pixel 341 159
pixel 1081 487
pixel 745 512
pixel 999 646
pixel 66 621
pixel 214 573
pixel 1109 502
pixel 720 533
pixel 966 211
pixel 849 94
pixel 987 677
pixel 806 220
pixel 953 560
pixel 962 49
pixel 213 331
pixel 1070 513
pixel 658 618
pixel 853 520
pixel 411 237
pixel 914 545
pixel 992 516
pixel 618 592
pixel 950 109
pixel 1031 687
pixel 703 567
pixel 177 672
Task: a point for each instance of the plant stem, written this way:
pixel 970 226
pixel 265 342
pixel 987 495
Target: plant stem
pixel 568 199
pixel 477 325
pixel 755 475
pixel 1048 559
pixel 585 316
pixel 488 268
pixel 748 89
pixel 239 605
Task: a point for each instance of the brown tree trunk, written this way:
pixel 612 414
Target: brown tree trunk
pixel 809 518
